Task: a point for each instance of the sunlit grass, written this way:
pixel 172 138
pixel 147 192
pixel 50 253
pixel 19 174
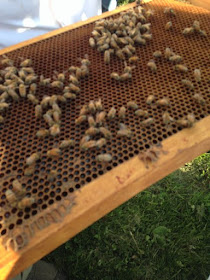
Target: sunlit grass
pixel 162 233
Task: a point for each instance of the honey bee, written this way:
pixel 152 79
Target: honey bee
pixel 70 95
pixel 104 158
pixel 33 158
pixel 182 123
pixel 98 105
pixel 145 27
pixel 132 105
pixel 59 76
pixel 31 78
pixel 125 76
pixel 84 71
pixel 150 99
pixel 188 84
pixel 88 145
pixel 103 47
pixel 44 81
pixel 32 88
pixel 152 66
pixel 188 31
pixel 168 53
pixel 122 112
pixel 55 129
pixel 84 110
pixel 61 98
pixel 56 116
pixel 3 105
pixel 33 99
pixel 175 58
pixel 107 57
pixel 100 143
pixel 45 101
pixel 124 131
pixel 73 79
pixel 92 107
pixel 141 113
pixel 168 25
pixel 119 53
pixel 74 88
pixel 52 175
pixel 78 73
pixel 100 117
pixel 38 111
pixel 181 68
pixel 22 90
pixel 92 43
pixel 17 187
pixel 13 94
pixel 84 139
pixel 148 122
pixel 115 76
pixel 138 39
pixel 26 63
pixel 169 11
pixel 111 114
pixel 29 171
pixel 147 36
pixel 26 202
pixel 42 133
pixel 47 117
pixel 196 25
pixel 167 118
pixel 199 98
pixel 1 119
pixel 191 120
pixel 114 44
pixel 53 153
pixel 106 133
pixel 56 107
pixel 7 61
pixel 127 51
pixel 91 121
pixel 80 119
pixel 92 131
pixel 149 13
pixel 3 88
pixel 57 84
pixel 197 75
pixel 11 197
pixel 67 143
pixel 28 70
pixel 163 102
pixel 72 69
pixel 133 59
pixel 203 33
pixel 128 69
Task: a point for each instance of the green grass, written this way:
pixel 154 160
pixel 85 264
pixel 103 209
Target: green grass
pixel 161 233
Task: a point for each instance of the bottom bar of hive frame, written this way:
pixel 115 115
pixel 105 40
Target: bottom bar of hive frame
pixel 106 193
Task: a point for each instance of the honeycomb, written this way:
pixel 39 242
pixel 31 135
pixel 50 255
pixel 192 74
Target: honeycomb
pixel 77 168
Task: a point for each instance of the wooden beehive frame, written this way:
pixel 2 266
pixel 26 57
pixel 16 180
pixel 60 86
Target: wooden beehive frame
pixel 108 191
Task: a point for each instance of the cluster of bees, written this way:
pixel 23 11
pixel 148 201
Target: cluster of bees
pixel 119 36
pixel 17 196
pixel 194 29
pixel 16 82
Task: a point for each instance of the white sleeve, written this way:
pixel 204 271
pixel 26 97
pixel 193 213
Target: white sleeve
pixel 22 20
